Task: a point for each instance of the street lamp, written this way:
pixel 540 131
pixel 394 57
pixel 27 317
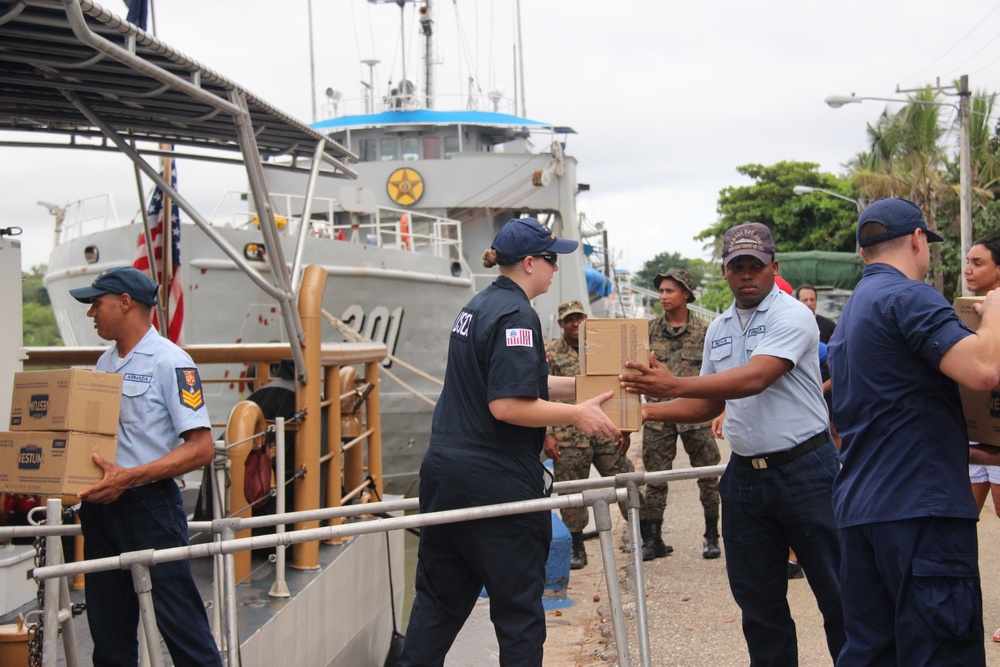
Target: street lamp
pixel 806 189
pixel 965 153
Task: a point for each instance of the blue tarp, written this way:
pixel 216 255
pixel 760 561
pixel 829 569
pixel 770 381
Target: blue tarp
pixel 597 283
pixel 428 116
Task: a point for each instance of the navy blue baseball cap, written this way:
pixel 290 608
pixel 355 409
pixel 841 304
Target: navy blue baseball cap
pixel 521 237
pixel 899 216
pixel 119 280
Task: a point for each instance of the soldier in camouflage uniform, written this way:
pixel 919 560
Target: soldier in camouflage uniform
pixel 572 451
pixel 678 339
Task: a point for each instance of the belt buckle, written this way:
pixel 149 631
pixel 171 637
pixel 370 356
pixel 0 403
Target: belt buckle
pixel 760 463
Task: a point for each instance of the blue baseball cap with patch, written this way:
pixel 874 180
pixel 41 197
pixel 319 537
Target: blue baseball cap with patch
pixel 899 216
pixel 521 237
pixel 120 280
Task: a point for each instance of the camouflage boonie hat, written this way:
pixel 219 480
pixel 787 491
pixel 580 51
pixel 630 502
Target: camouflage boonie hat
pixel 567 308
pixel 681 276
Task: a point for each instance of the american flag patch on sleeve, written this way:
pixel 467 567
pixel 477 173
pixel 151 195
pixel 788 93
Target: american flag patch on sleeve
pixel 518 337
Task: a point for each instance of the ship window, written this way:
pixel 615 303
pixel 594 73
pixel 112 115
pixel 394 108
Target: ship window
pixel 366 150
pixel 432 148
pixel 91 254
pixel 411 148
pixel 450 146
pixel 390 149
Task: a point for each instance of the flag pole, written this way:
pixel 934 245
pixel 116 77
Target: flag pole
pixel 167 239
pixel 148 234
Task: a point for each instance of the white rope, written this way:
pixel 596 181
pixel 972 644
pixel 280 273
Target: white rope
pixel 350 334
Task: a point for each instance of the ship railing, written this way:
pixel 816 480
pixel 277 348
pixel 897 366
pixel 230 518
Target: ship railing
pixel 599 494
pixel 386 227
pixel 85 216
pixel 359 106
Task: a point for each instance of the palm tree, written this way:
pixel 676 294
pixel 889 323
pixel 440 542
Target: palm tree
pixel 906 158
pixel 985 161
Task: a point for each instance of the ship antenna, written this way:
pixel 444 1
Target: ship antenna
pixel 520 59
pixel 426 27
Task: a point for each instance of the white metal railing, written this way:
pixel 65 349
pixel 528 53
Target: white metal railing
pixel 598 493
pixel 386 227
pixel 411 101
pixel 85 216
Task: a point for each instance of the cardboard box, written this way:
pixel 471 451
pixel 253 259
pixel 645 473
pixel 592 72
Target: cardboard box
pixel 52 462
pixel 623 408
pixel 606 345
pixel 981 408
pixel 71 399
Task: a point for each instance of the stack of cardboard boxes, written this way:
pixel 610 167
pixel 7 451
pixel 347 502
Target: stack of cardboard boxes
pixel 58 420
pixel 605 346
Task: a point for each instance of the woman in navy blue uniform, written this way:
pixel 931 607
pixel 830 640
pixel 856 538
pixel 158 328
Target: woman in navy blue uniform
pixel 486 438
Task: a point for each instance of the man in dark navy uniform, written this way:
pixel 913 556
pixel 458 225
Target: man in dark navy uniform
pixel 907 520
pixel 486 438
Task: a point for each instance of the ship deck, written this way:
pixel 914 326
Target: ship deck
pixel 314 626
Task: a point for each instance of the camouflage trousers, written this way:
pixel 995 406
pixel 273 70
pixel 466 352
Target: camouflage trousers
pixel 574 463
pixel 659 449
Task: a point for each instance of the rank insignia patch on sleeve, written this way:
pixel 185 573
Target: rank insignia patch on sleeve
pixel 189 387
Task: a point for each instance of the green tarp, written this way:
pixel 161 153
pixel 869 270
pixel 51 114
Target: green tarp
pixel 821 268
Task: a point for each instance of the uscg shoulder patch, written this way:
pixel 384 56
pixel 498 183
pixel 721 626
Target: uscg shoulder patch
pixel 462 324
pixel 189 387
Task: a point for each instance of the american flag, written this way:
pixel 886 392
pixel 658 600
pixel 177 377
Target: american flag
pixel 175 305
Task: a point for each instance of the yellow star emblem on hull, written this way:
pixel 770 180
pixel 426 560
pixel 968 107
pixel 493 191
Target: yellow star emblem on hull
pixel 405 186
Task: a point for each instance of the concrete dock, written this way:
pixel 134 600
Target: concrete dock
pixel 693 620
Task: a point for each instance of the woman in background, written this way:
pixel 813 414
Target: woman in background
pixel 982 274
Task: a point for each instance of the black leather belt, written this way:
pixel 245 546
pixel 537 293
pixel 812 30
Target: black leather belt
pixel 781 458
pixel 156 488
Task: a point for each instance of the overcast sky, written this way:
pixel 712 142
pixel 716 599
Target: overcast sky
pixel 667 98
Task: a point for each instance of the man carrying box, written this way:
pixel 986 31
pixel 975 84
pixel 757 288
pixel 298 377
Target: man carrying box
pixel 571 450
pixel 761 363
pixel 163 432
pixel 906 517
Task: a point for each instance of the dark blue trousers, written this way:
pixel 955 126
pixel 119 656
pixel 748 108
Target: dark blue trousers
pixel 150 517
pixel 764 512
pixel 506 555
pixel 912 593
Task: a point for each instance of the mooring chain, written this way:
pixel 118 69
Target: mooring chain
pixel 35 630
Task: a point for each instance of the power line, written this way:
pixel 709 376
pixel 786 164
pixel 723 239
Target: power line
pixel 955 45
pixel 962 64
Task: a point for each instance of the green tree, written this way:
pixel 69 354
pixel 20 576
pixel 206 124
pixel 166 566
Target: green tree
pixel 39 321
pixel 810 222
pixel 666 260
pixel 914 154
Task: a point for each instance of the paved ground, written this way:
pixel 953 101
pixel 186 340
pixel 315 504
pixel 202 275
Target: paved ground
pixel 693 619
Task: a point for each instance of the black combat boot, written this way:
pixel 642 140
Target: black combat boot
pixel 652 543
pixel 578 556
pixel 711 545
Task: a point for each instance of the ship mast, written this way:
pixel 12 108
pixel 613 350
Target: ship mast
pixel 426 27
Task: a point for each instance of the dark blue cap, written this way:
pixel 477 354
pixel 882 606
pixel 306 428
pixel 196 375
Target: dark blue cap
pixel 521 237
pixel 120 280
pixel 899 216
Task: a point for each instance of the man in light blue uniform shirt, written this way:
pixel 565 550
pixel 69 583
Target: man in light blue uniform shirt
pixel 761 364
pixel 163 432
